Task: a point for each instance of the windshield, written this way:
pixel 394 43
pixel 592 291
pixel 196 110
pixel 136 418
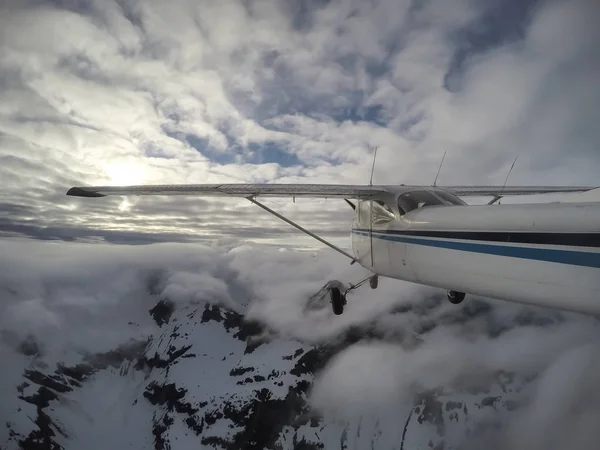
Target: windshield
pixel 449 198
pixel 417 199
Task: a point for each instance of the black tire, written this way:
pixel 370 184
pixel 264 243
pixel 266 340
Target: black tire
pixel 374 281
pixel 337 300
pixel 455 297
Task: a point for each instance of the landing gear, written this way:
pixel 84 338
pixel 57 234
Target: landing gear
pixel 338 300
pixel 374 281
pixel 455 297
pixel 337 292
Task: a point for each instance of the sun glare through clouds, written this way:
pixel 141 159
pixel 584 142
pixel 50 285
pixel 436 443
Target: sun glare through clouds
pixel 124 173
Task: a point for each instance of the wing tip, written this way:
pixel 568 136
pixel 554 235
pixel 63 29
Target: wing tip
pixel 82 192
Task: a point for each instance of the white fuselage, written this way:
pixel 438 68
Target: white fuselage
pixel 541 254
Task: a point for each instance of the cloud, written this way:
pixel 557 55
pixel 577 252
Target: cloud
pixel 135 92
pixel 565 395
pixel 351 387
pixel 551 369
pixel 65 293
pixel 71 295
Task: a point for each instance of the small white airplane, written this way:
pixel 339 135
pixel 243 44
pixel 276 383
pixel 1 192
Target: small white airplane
pixel 544 254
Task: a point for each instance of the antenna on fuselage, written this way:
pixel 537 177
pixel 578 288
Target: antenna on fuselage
pixel 439 168
pixel 508 175
pixel 373 167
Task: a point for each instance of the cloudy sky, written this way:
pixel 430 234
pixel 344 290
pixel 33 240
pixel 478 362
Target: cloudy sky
pixel 126 92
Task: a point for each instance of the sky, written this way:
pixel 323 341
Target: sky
pixel 128 92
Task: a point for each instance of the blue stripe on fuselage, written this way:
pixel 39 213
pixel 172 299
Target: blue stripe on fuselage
pixel 577 258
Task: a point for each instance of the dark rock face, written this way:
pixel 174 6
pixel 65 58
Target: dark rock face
pixel 170 397
pixel 430 409
pixel 240 371
pixel 267 414
pixel 159 428
pixel 162 312
pixel 43 437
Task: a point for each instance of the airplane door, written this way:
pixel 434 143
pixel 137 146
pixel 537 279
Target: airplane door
pixel 382 217
pixel 371 218
pixel 361 240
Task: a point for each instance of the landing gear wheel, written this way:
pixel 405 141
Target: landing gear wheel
pixel 338 300
pixel 374 281
pixel 455 297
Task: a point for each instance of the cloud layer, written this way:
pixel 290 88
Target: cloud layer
pixel 72 298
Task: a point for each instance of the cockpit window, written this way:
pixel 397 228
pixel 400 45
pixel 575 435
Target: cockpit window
pixel 382 213
pixel 449 197
pixel 417 199
pixel 364 212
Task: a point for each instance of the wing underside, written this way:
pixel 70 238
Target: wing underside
pixel 492 191
pixel 234 190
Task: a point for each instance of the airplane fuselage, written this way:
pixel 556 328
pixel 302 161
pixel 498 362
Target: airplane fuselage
pixel 540 254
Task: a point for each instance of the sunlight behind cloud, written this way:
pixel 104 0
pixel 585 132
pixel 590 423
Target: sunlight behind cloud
pixel 125 205
pixel 124 173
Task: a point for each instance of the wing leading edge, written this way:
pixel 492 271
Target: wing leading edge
pixel 234 190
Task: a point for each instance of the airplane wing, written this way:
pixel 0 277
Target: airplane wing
pixel 234 190
pixel 307 190
pixel 492 191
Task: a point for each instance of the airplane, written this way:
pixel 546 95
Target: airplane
pixel 545 254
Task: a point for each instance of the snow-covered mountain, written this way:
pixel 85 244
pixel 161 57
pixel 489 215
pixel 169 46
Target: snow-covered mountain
pixel 209 378
pixel 179 347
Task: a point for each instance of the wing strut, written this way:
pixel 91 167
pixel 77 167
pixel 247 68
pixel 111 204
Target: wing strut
pixel 304 230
